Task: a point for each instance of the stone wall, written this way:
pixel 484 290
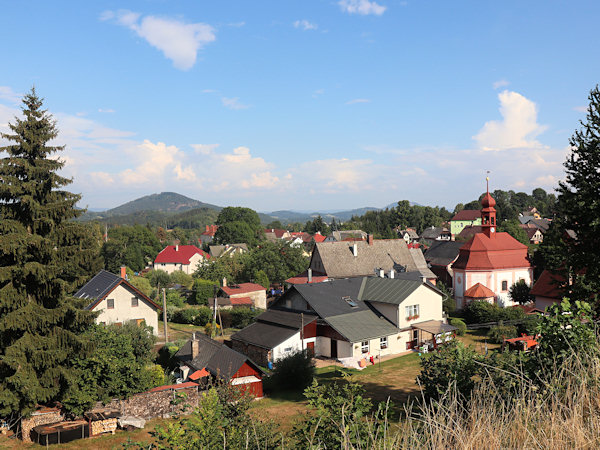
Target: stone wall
pixel 260 355
pixel 149 405
pixel 41 417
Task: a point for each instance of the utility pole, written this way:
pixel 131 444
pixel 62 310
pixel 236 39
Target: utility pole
pixel 302 330
pixel 165 315
pixel 214 321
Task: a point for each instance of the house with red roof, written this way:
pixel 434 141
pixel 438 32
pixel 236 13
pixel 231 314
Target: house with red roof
pixel 186 258
pixel 494 260
pixel 464 218
pixel 548 289
pixel 209 234
pixel 245 294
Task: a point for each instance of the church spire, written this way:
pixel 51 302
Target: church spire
pixel 488 212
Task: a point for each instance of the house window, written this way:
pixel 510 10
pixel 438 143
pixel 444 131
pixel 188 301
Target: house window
pixel 134 301
pixel 110 303
pixel 412 312
pixel 383 342
pixel 504 286
pixel 365 346
pixel 415 335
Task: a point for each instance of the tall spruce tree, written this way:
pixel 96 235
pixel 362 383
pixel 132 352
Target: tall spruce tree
pixel 43 256
pixel 578 207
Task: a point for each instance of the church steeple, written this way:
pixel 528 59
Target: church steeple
pixel 488 213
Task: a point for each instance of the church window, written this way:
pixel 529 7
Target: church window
pixel 505 286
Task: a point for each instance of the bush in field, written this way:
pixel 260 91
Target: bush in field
pixel 295 371
pixel 498 333
pixel 529 325
pixel 242 317
pixel 460 325
pixel 482 312
pixel 171 310
pixel 204 316
pixel 203 290
pixel 192 316
pixel 182 278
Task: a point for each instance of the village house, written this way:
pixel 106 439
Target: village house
pixel 118 301
pixel 464 218
pixel 534 233
pixel 216 251
pixel 251 294
pixel 440 257
pixel 432 234
pixel 186 258
pixel 495 260
pixel 349 319
pixel 276 234
pixel 307 276
pixel 208 235
pixel 548 290
pixel 409 235
pixel 202 359
pixel 373 257
pixel 345 235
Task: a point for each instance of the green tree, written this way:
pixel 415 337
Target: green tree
pixel 133 246
pixel 218 268
pixel 238 225
pixel 520 292
pixel 317 224
pixel 278 261
pixel 512 227
pixel 203 290
pixel 143 284
pixel 119 366
pixel 578 204
pixel 276 224
pixel 41 252
pixel 262 279
pixel 182 278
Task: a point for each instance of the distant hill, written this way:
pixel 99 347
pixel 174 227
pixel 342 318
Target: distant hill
pixel 286 216
pixel 163 202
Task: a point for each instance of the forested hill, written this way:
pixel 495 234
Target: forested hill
pixel 163 202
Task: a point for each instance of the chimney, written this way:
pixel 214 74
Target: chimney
pixel 381 273
pixel 224 282
pixel 392 273
pixel 310 275
pixel 124 272
pixel 355 249
pixel 195 345
pixel 424 279
pixel 370 239
pixel 177 248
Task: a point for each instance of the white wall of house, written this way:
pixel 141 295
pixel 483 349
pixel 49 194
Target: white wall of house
pixel 543 302
pixel 390 311
pixel 291 345
pixel 123 310
pixel 396 343
pixel 195 261
pixel 430 306
pixel 492 279
pixel 259 298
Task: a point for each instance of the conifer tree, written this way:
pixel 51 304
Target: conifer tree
pixel 44 255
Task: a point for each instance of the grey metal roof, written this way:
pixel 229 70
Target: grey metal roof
pixel 434 326
pixel 387 290
pixel 443 253
pixel 218 359
pixel 327 298
pixel 264 335
pixel 286 318
pixel 362 325
pixel 99 286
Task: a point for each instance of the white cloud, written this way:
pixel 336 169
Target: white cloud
pixel 358 100
pixel 233 103
pixel 517 129
pixel 6 93
pixel 335 175
pixel 500 83
pixel 318 93
pixel 204 149
pixel 362 7
pixel 305 25
pixel 582 109
pixel 179 41
pixel 106 110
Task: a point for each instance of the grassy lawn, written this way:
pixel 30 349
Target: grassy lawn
pixel 477 339
pixel 179 331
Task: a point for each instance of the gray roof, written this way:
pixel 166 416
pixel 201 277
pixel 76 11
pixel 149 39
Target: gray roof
pixel 433 232
pixel 345 234
pixel 419 259
pixel 442 253
pixel 99 286
pixel 387 290
pixel 327 298
pixel 217 250
pixel 434 326
pixel 265 335
pixel 411 233
pixel 387 254
pixel 362 325
pixel 285 318
pixel 218 359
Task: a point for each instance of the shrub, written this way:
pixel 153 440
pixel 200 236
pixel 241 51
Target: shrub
pixel 295 371
pixel 499 333
pixel 142 284
pixel 202 291
pixel 203 317
pixel 196 316
pixel 460 325
pixel 171 310
pixel 166 356
pixel 481 312
pixel 242 317
pixel 529 325
pixel 174 298
pixel 182 278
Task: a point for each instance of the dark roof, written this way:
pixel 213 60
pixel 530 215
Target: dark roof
pixel 469 231
pixel 102 284
pixel 264 335
pixel 467 214
pixel 99 286
pixel 362 325
pixel 549 285
pixel 443 253
pixel 387 290
pixel 327 298
pixel 433 232
pixel 218 359
pixel 285 318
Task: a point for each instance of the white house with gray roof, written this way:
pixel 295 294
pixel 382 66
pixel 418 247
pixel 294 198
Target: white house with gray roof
pixel 349 318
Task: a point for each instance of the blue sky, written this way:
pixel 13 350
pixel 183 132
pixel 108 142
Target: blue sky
pixel 310 105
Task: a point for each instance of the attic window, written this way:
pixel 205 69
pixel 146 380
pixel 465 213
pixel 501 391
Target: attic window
pixel 351 302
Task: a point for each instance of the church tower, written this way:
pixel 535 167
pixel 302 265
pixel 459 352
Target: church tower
pixel 488 213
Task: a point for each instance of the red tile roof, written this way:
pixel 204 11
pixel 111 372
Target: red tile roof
pixel 319 237
pixel 467 214
pixel 180 254
pixel 241 301
pixel 210 230
pixel 303 279
pixel 548 285
pixel 199 374
pixel 276 231
pixel 479 291
pixel 500 252
pixel 243 288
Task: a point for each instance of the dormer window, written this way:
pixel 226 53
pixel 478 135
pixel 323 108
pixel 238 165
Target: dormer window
pixel 350 302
